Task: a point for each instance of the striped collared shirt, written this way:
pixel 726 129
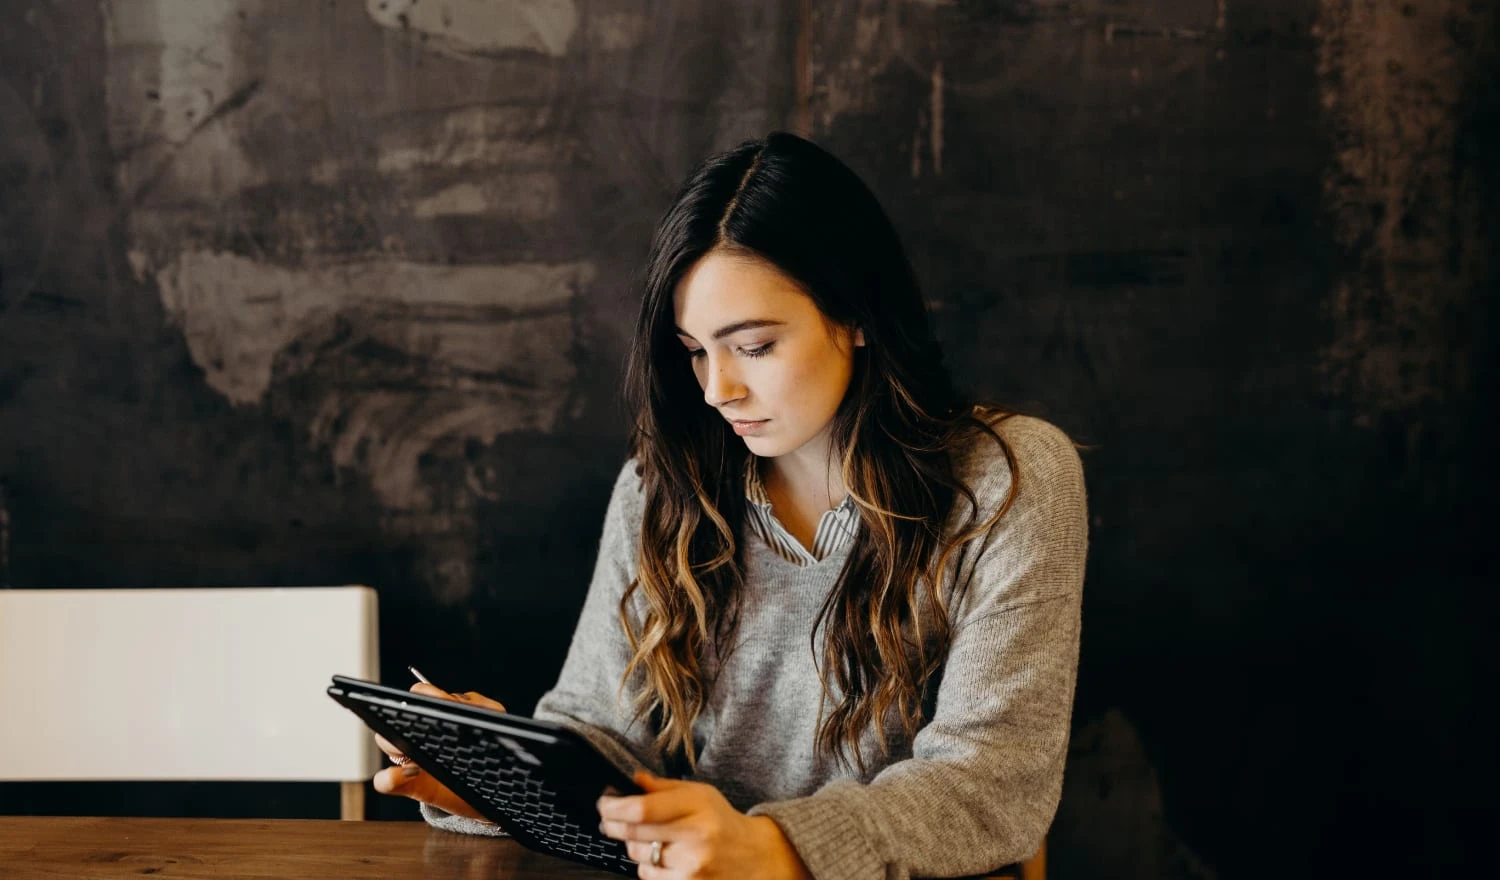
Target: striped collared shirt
pixel 836 528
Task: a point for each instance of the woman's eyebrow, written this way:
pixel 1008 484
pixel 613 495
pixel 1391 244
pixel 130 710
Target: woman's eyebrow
pixel 737 326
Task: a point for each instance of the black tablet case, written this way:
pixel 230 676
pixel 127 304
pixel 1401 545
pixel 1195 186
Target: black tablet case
pixel 537 781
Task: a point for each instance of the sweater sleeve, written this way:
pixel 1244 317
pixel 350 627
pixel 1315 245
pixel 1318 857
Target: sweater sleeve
pixel 587 697
pixel 985 775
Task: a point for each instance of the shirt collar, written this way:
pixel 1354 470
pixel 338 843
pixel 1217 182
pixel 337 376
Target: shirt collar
pixel 755 488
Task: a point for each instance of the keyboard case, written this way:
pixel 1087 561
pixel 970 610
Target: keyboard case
pixel 537 781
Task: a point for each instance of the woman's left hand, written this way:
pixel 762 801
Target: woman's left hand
pixel 700 834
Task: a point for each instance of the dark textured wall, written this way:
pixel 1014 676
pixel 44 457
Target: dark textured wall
pixel 307 293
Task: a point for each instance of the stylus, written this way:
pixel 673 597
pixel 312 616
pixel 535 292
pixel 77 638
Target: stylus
pixel 420 677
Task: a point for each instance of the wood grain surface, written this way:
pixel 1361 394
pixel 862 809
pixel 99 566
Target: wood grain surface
pixel 33 847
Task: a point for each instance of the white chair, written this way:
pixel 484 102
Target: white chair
pixel 186 684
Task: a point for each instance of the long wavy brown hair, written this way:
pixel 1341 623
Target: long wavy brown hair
pixel 883 631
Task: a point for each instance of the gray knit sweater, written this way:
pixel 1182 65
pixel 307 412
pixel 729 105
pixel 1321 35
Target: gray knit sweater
pixel 976 787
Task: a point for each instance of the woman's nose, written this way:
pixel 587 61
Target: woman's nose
pixel 721 386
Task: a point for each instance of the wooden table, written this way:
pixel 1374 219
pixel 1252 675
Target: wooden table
pixel 36 847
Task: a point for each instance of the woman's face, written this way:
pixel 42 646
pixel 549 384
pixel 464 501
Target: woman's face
pixel 766 358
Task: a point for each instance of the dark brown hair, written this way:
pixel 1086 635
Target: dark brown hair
pixel 884 630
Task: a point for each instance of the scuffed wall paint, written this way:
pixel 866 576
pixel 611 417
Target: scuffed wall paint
pixel 175 66
pixel 612 30
pixel 482 27
pixel 1390 79
pixel 301 247
pixel 534 195
pixel 861 46
pixel 428 357
pixel 239 315
pixel 397 230
pixel 464 137
pixel 386 434
pixel 843 85
pixel 36 231
pixel 935 123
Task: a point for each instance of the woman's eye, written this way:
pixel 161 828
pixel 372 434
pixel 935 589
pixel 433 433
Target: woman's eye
pixel 758 350
pixel 696 353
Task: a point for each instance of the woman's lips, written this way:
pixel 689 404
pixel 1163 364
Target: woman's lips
pixel 746 427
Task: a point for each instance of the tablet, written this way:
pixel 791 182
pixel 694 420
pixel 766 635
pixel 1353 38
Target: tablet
pixel 537 781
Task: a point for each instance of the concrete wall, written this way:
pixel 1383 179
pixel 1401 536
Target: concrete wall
pixel 304 293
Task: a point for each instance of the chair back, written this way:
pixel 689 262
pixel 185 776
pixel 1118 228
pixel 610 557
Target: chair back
pixel 184 684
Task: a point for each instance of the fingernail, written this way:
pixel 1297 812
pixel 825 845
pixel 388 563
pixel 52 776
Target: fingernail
pixel 410 770
pixel 602 831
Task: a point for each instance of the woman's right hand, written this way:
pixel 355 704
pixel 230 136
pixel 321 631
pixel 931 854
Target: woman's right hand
pixel 409 780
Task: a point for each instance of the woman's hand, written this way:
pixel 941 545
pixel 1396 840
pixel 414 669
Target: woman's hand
pixel 700 834
pixel 408 780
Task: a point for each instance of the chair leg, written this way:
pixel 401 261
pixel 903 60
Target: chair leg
pixel 352 801
pixel 1035 868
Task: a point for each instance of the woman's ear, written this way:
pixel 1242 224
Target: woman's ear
pixel 859 337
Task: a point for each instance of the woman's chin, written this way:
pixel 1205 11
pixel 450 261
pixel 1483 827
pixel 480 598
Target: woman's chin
pixel 763 447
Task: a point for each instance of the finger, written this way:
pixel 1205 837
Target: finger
pixel 429 690
pixel 646 831
pixel 471 697
pixel 410 781
pixel 640 853
pixel 651 782
pixel 675 861
pixel 395 780
pixel 657 807
pixel 478 699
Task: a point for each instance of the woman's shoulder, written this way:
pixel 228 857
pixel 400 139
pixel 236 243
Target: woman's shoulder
pixel 628 481
pixel 1044 456
pixel 1041 538
pixel 627 500
pixel 622 521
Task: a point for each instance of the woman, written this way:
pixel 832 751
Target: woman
pixel 834 620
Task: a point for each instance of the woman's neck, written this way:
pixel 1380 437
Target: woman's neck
pixel 807 477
